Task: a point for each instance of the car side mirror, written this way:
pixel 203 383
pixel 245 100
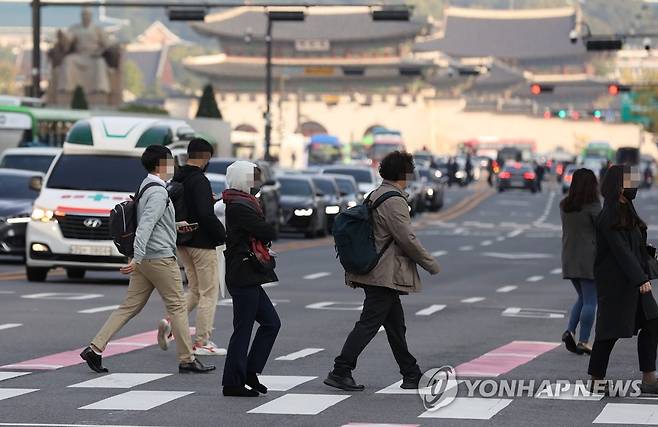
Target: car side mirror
pixel 36 183
pixel 319 194
pixel 271 182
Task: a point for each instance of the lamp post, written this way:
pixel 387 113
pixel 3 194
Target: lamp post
pixel 36 49
pixel 273 16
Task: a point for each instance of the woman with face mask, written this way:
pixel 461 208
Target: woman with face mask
pixel 625 301
pixel 248 266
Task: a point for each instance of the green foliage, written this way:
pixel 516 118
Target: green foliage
pixel 79 100
pixel 208 104
pixel 133 79
pixel 647 99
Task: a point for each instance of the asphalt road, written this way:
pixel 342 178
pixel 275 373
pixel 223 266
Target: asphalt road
pixel 500 286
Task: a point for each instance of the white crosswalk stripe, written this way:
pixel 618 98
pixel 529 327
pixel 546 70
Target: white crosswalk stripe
pixel 469 408
pixel 300 354
pixel 430 310
pixel 299 404
pixel 137 400
pixel 8 393
pixel 119 381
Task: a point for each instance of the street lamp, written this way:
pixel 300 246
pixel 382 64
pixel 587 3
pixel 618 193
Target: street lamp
pixel 273 16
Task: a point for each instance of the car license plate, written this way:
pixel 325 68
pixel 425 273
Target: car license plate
pixel 517 182
pixel 91 250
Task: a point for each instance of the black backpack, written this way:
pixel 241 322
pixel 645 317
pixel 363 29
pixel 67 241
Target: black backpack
pixel 354 236
pixel 123 222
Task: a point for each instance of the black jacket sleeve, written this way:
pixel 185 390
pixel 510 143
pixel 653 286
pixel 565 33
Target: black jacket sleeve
pixel 254 225
pixel 202 199
pixel 625 257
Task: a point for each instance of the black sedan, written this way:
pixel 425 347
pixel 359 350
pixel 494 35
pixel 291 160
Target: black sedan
pixel 16 200
pixel 334 204
pixel 517 175
pixel 434 188
pixel 302 205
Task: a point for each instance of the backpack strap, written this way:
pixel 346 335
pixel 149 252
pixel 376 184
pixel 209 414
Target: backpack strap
pixel 146 187
pixel 384 197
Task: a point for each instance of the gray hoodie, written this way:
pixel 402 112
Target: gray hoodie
pixel 156 224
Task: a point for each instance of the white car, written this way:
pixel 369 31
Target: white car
pixel 98 168
pixel 36 159
pixel 367 180
pixel 218 185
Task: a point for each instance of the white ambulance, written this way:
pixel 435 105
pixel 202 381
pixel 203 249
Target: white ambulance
pixel 99 167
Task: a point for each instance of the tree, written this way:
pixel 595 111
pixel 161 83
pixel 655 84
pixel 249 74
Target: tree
pixel 79 101
pixel 133 79
pixel 208 104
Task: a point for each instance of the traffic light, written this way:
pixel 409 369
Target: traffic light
pixel 562 114
pixel 597 114
pixel 547 114
pixel 616 89
pixel 538 89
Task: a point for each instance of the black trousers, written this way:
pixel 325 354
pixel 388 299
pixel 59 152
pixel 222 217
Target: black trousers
pixel 382 307
pixel 250 305
pixel 647 341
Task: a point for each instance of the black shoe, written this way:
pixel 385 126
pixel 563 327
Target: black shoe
pixel 569 342
pixel 195 367
pixel 95 361
pixel 252 381
pixel 646 388
pixel 583 348
pixel 239 392
pixel 600 387
pixel 410 382
pixel 344 383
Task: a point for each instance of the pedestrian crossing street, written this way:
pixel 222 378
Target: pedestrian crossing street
pixel 289 394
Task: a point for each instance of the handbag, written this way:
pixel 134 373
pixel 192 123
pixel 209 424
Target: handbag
pixel 260 257
pixel 652 262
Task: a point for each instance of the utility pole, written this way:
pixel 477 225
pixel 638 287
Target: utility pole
pixel 268 89
pixel 36 49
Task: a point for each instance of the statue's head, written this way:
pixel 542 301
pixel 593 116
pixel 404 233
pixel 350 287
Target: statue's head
pixel 86 16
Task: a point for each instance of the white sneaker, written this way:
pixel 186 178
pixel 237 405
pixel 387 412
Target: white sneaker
pixel 208 349
pixel 164 333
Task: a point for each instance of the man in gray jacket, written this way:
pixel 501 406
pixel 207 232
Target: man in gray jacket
pixel 394 275
pixel 154 266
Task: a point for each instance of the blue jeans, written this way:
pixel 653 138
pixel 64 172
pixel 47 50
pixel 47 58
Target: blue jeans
pixel 584 309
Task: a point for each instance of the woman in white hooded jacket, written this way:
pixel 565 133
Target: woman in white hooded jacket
pixel 248 266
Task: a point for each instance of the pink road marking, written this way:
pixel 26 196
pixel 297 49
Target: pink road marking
pixel 503 359
pixel 72 357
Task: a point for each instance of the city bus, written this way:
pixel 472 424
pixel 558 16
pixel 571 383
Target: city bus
pixel 24 126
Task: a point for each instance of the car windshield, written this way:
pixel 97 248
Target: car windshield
pixel 345 186
pixel 425 173
pixel 218 186
pixel 325 185
pixel 16 187
pixel 97 173
pixel 295 187
pixel 379 151
pixel 219 167
pixel 29 162
pixel 360 175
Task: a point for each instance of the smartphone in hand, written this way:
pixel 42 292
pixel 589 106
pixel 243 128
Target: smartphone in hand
pixel 185 227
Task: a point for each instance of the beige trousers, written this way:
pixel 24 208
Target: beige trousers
pixel 202 274
pixel 161 274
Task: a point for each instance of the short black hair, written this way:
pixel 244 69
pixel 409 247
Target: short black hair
pixel 153 155
pixel 199 145
pixel 396 165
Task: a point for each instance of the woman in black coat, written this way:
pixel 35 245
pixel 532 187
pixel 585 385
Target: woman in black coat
pixel 626 304
pixel 248 234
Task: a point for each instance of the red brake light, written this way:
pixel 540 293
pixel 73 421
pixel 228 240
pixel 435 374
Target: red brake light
pixel 568 178
pixel 559 169
pixel 529 175
pixel 505 175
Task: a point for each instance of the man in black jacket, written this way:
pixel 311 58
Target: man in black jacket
pixel 196 248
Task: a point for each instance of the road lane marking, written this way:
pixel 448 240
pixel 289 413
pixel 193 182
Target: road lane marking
pixel 505 289
pixel 503 359
pixel 299 404
pixel 395 388
pixel 66 425
pixel 9 375
pixel 500 238
pixel 514 233
pixel 570 391
pixel 336 305
pixel 72 357
pixel 119 381
pixel 547 210
pixel 99 309
pixel 67 296
pixel 8 393
pixel 534 279
pixel 517 255
pixel 472 300
pixel 270 285
pixel 469 408
pixel 137 400
pixel 437 254
pixel 556 271
pixel 627 414
pixel 486 243
pixel 283 382
pixel 430 310
pixel 7 292
pixel 533 313
pixel 10 325
pixel 317 275
pixel 466 248
pixel 299 354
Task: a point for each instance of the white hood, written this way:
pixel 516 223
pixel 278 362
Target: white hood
pixel 240 176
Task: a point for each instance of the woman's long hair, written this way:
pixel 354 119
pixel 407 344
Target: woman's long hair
pixel 584 190
pixel 612 187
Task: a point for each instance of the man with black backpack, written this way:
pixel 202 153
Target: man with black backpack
pixel 192 196
pixel 153 266
pixel 384 277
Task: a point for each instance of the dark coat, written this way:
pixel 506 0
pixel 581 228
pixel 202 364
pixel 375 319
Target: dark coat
pixel 199 204
pixel 242 224
pixel 620 269
pixel 579 242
